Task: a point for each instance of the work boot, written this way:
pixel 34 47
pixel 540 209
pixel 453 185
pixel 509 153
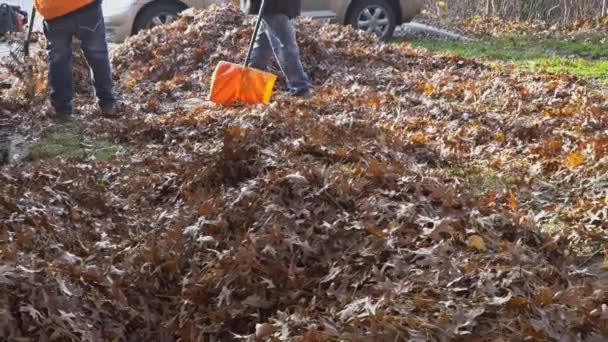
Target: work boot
pixel 59 116
pixel 302 93
pixel 112 111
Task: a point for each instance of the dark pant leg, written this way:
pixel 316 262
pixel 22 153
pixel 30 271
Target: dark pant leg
pixel 59 35
pixel 92 33
pixel 282 37
pixel 262 51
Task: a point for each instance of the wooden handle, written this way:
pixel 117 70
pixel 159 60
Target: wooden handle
pixel 28 37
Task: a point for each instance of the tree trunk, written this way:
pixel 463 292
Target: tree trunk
pixel 604 3
pixel 566 13
pixel 490 8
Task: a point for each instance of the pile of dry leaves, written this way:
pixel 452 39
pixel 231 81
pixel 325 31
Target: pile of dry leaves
pixel 583 29
pixel 410 200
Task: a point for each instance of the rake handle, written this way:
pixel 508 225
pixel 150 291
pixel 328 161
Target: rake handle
pixel 26 45
pixel 258 24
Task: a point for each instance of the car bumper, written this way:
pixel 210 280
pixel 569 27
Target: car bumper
pixel 410 9
pixel 117 32
pixel 119 22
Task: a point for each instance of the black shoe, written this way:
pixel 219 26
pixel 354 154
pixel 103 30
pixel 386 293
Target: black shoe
pixel 114 110
pixel 303 93
pixel 109 111
pixel 61 116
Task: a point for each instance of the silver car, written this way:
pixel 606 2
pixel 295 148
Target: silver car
pixel 126 17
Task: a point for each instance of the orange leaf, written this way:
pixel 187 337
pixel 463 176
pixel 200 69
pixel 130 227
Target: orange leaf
pixel 512 201
pixel 553 146
pixel 426 88
pixel 489 198
pixel 575 159
pixel 568 111
pixel 517 302
pixel 419 138
pixel 376 169
pixel 39 85
pixel 543 298
pixel 374 102
pixel 170 266
pixel 443 318
pixel 372 230
pixel 341 152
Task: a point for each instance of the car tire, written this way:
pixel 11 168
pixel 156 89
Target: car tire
pixel 380 14
pixel 158 13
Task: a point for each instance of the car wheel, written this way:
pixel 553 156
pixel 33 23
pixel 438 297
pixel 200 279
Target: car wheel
pixel 374 16
pixel 156 14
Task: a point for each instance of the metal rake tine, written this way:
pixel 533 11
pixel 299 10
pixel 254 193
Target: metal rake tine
pixel 17 52
pixel 18 49
pixel 17 55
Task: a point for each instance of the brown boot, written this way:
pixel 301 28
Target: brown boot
pixel 61 117
pixel 110 111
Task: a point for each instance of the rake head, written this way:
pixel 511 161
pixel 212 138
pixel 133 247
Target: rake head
pixel 18 53
pixel 25 68
pixel 18 62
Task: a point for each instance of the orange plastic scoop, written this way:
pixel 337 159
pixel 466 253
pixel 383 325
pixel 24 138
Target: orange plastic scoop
pixel 233 83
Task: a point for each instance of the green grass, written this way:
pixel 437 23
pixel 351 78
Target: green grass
pixel 481 179
pixel 69 143
pixel 588 60
pixel 553 226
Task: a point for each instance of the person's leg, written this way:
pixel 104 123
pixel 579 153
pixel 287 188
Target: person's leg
pixel 282 37
pixel 59 45
pixel 92 34
pixel 262 51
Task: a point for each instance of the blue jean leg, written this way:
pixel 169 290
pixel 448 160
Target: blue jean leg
pixel 262 52
pixel 281 41
pixel 88 26
pixel 91 32
pixel 60 60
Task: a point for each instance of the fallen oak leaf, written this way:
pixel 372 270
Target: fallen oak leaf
pixel 35 314
pixel 543 298
pixel 499 301
pixel 512 201
pixel 374 231
pixel 466 320
pixel 517 302
pixel 425 88
pixel 574 160
pixel 477 242
pixel 6 271
pixel 419 139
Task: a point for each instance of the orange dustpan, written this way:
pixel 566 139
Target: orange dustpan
pixel 234 83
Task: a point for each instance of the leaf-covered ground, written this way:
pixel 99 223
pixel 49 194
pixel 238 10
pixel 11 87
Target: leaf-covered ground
pixel 416 197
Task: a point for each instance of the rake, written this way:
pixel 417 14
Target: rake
pixel 234 83
pixel 21 53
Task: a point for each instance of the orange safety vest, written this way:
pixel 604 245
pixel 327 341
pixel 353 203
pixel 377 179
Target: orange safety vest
pixel 51 9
